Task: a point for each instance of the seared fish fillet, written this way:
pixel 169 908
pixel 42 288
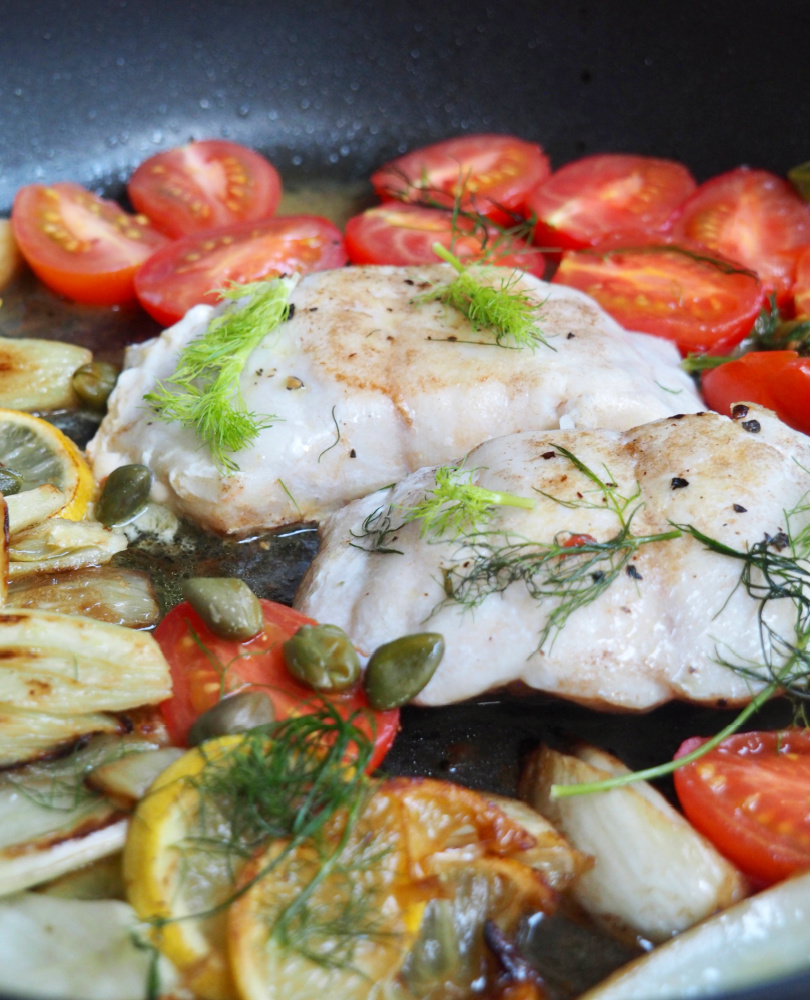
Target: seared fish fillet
pixel 655 633
pixel 368 385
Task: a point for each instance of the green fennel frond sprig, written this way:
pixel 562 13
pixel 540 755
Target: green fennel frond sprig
pixel 456 505
pixel 572 570
pixel 204 392
pixel 766 574
pixel 510 314
pixel 301 783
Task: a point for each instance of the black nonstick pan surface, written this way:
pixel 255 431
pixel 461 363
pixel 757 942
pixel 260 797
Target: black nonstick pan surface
pixel 329 90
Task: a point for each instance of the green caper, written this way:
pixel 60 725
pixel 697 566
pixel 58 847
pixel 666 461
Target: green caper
pixel 235 714
pixel 94 382
pixel 124 494
pixel 323 658
pixel 10 481
pixel 400 669
pixel 226 604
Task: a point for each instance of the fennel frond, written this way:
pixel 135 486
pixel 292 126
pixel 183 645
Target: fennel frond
pixel 204 392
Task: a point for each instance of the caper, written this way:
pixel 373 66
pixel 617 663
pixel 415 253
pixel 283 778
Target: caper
pixel 124 494
pixel 400 669
pixel 235 714
pixel 10 481
pixel 94 382
pixel 323 658
pixel 226 604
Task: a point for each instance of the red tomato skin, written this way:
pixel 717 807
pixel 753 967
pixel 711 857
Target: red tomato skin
pixel 749 797
pixel 80 245
pixel 753 217
pixel 610 194
pixel 189 271
pixel 779 380
pixel 203 186
pixel 257 663
pixel 493 174
pixel 403 235
pixel 660 290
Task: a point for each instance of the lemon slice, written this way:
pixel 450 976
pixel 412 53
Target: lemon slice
pixel 175 881
pixel 310 925
pixel 42 454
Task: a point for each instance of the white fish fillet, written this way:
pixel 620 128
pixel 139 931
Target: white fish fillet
pixel 368 386
pixel 647 638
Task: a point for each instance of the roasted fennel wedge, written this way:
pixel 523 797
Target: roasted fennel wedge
pixel 759 940
pixel 653 874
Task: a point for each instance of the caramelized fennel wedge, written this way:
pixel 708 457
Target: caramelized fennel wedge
pixel 38 374
pixel 67 948
pixel 759 940
pixel 654 875
pixel 108 593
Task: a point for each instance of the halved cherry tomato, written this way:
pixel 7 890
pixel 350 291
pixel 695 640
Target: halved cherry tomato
pixel 753 217
pixel 190 270
pixel 489 174
pixel 750 797
pixel 585 201
pixel 80 245
pixel 202 670
pixel 404 234
pixel 699 302
pixel 779 380
pixel 204 186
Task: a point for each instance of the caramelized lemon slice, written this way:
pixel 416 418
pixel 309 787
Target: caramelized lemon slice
pixel 42 454
pixel 334 925
pixel 176 877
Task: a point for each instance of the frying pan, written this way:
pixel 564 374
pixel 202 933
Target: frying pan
pixel 329 89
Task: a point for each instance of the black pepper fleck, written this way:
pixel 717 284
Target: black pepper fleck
pixel 352 453
pixel 739 411
pixel 549 454
pixel 752 426
pixel 570 336
pixel 778 541
pixel 678 483
pixel 633 573
pixel 291 311
pixel 739 508
pixel 409 281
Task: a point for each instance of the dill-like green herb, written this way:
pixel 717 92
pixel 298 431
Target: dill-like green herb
pixel 293 782
pixel 572 570
pixel 766 575
pixel 204 392
pixel 456 505
pixel 336 442
pixel 503 309
pixel 378 527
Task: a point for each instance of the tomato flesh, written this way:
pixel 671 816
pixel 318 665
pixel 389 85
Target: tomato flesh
pixel 403 235
pixel 189 271
pixel 753 217
pixel 751 797
pixel 82 246
pixel 488 174
pixel 779 380
pixel 203 186
pixel 590 199
pixel 702 305
pixel 208 666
